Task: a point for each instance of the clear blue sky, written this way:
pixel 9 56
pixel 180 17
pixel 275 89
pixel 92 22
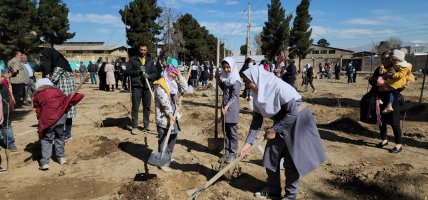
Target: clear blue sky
pixel 344 23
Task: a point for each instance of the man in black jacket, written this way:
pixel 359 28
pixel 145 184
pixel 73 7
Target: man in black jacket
pixel 139 68
pixel 290 74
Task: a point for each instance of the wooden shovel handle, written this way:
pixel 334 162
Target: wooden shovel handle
pixel 79 86
pixel 171 126
pixel 150 88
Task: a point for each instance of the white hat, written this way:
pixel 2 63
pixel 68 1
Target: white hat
pixel 43 82
pixel 400 55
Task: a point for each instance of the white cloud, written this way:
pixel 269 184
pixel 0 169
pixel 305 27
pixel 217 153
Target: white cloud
pixel 349 33
pixel 319 31
pixel 229 29
pixel 200 1
pixel 227 2
pixel 418 41
pixel 231 2
pixel 363 21
pixel 95 18
pixel 104 30
pixel 380 12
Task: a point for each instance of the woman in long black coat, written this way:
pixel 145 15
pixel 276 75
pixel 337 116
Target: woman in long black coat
pixel 392 118
pixel 102 76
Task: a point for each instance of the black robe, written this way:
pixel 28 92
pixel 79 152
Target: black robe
pixel 102 76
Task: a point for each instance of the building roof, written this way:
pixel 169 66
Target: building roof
pixel 333 48
pixel 87 47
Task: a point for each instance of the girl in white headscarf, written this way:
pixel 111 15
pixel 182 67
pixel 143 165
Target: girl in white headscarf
pixel 230 83
pixel 166 95
pixel 294 135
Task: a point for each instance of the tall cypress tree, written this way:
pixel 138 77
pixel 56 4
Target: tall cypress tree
pixel 300 42
pixel 53 22
pixel 276 32
pixel 18 30
pixel 140 19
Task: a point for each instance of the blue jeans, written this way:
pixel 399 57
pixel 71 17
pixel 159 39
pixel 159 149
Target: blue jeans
pixel 10 139
pixel 93 79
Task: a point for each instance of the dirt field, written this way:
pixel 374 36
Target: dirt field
pixel 106 162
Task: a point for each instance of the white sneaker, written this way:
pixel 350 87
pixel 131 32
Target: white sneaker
pixel 135 131
pixel 165 169
pixel 62 160
pixel 44 167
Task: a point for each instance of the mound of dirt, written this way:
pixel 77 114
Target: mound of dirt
pixel 202 116
pixel 347 125
pixel 92 147
pixel 401 181
pixel 151 189
pixel 415 112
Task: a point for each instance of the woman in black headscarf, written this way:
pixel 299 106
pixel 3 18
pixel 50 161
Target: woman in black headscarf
pixel 53 65
pixel 102 76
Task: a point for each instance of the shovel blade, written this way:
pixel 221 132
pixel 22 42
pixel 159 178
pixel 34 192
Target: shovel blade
pixel 215 145
pixel 193 193
pixel 159 159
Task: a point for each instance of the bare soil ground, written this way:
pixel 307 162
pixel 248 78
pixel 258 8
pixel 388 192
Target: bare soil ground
pixel 106 162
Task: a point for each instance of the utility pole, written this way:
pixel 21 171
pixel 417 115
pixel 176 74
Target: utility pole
pixel 248 31
pixel 224 49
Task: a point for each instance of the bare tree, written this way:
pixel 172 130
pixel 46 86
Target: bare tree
pixel 168 17
pixel 395 42
pixel 258 41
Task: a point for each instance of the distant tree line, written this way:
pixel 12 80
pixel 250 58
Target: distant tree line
pixel 182 35
pixel 25 24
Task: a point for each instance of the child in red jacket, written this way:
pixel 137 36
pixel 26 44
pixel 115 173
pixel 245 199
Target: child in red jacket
pixel 51 105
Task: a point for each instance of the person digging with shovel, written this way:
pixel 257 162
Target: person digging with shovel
pixel 51 106
pixel 294 135
pixel 166 95
pixel 230 83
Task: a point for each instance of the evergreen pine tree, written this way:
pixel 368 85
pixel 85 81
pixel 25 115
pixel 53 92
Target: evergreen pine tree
pixel 276 32
pixel 300 41
pixel 18 30
pixel 323 42
pixel 195 38
pixel 53 22
pixel 140 18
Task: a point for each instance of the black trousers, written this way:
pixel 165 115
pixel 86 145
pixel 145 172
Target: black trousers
pixel 18 91
pixel 141 94
pixel 392 118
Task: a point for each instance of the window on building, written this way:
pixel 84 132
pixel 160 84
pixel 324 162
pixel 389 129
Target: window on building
pixel 77 52
pixel 331 51
pixel 99 51
pixel 315 52
pixel 323 51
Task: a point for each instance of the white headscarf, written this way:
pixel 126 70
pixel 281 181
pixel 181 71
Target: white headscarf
pixel 172 84
pixel 272 92
pixel 43 82
pixel 234 74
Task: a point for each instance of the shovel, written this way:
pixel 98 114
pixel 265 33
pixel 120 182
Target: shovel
pixel 216 144
pixel 193 193
pixel 160 158
pixel 150 88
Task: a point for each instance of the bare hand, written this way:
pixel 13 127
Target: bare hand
pixel 171 120
pixel 225 109
pixel 244 150
pixel 270 134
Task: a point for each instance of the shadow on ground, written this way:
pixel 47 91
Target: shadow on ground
pixel 350 126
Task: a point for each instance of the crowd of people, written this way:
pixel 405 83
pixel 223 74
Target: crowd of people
pixel 271 86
